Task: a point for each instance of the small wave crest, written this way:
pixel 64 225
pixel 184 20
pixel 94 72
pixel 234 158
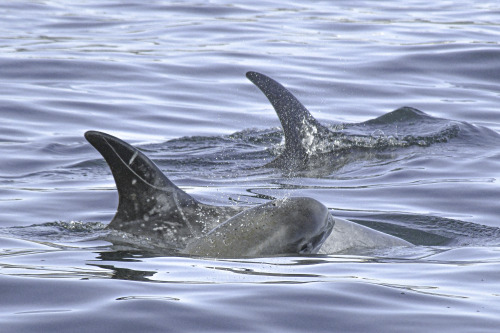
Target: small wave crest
pixel 57 231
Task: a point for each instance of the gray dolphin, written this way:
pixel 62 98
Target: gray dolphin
pixel 151 205
pixel 306 140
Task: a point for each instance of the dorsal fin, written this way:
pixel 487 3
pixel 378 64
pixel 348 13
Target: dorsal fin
pixel 146 195
pixel 299 126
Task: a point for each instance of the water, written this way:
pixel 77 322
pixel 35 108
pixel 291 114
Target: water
pixel 170 78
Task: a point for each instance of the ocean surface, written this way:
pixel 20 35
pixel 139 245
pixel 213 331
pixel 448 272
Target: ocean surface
pixel 169 77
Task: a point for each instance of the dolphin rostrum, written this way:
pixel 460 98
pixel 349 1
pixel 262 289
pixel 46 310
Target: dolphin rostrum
pixel 353 238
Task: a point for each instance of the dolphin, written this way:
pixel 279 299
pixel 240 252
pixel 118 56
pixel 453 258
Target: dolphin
pixel 307 141
pixel 151 205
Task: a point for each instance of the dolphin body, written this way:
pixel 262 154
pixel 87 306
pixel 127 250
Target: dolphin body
pixel 307 142
pixel 150 205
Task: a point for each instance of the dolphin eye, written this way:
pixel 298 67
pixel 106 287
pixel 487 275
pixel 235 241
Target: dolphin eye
pixel 306 248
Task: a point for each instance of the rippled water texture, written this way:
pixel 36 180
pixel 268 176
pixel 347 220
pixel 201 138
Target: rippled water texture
pixel 169 77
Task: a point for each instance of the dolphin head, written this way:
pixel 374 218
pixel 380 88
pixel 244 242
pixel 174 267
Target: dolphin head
pixel 297 225
pixel 308 224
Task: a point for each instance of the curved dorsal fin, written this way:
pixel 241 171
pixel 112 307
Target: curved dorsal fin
pixel 299 126
pixel 146 195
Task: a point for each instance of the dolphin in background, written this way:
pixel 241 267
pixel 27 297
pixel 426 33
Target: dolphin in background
pixel 151 206
pixel 309 144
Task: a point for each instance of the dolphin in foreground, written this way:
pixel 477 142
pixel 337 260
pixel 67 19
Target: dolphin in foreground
pixel 150 205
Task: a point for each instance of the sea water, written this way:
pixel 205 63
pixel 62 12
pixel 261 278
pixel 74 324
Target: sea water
pixel 169 77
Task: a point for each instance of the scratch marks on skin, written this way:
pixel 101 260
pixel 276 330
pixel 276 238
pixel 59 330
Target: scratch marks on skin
pixel 179 209
pixel 132 158
pixel 167 226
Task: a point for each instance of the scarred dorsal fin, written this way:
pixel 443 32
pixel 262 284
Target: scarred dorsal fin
pixel 148 200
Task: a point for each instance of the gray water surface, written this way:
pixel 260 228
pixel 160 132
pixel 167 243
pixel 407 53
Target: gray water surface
pixel 169 77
